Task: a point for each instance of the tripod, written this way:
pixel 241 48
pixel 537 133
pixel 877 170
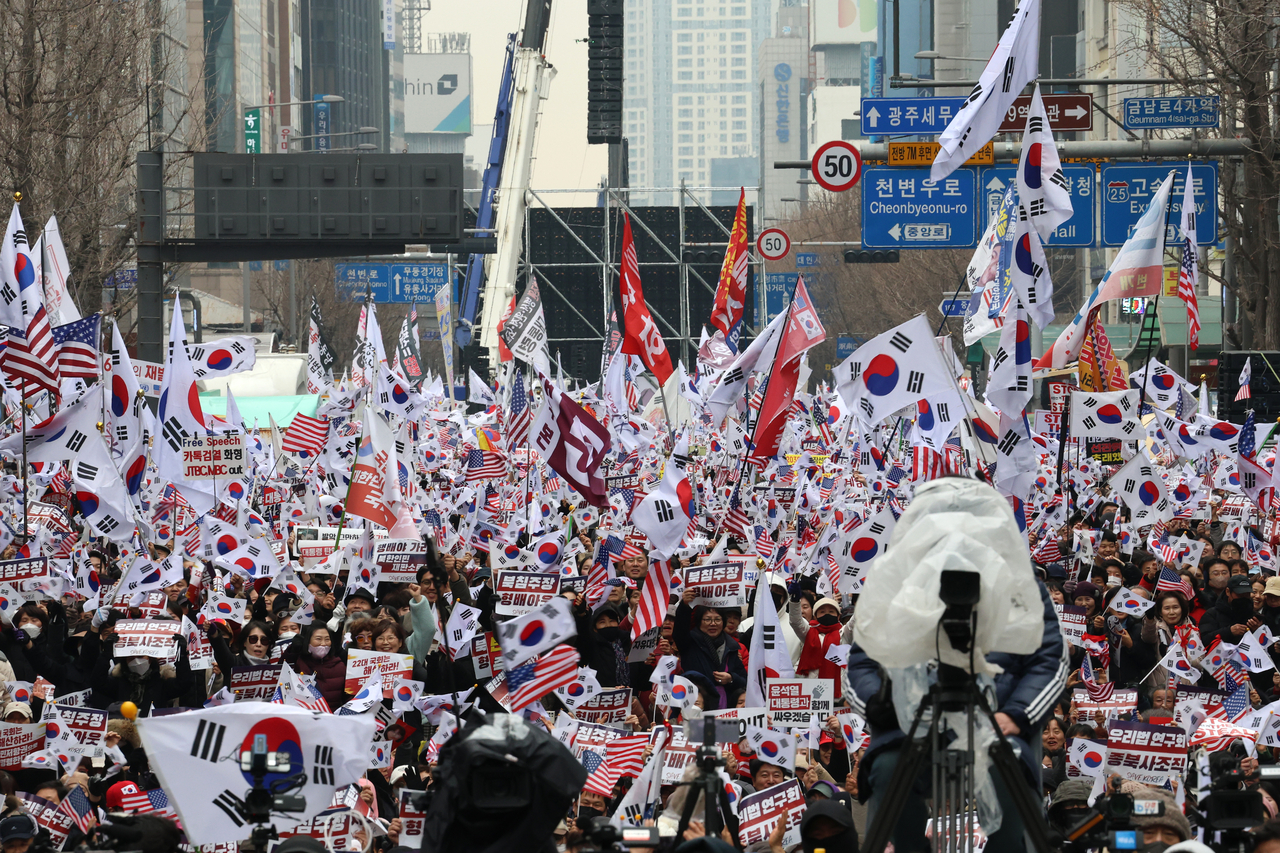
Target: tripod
pixel 708 781
pixel 953 784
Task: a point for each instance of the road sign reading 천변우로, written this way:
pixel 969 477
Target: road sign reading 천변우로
pixel 1127 190
pixel 391 282
pixel 905 209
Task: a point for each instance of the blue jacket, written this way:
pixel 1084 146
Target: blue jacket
pixel 1026 690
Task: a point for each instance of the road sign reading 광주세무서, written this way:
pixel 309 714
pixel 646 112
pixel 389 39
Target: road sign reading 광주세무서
pixel 1077 231
pixel 1149 113
pixel 904 209
pixel 1127 191
pixel 908 116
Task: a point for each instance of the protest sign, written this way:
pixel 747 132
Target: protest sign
pixel 1071 619
pixel 17 741
pixel 758 717
pixel 412 819
pixel 146 638
pixel 255 683
pixel 524 592
pixel 12 571
pixel 1145 753
pixel 88 725
pixel 760 812
pixel 399 559
pixel 58 823
pixel 484 651
pixel 594 736
pixel 607 706
pixel 678 755
pixel 792 701
pixel 1121 700
pixel 718 585
pixel 362 664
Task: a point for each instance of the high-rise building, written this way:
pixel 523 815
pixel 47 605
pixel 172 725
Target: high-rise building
pixel 689 104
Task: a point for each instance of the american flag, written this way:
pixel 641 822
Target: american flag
pixel 736 522
pixel 655 597
pixel 1233 706
pixel 547 672
pixel 895 475
pixel 160 803
pixel 30 357
pixel 764 543
pixel 77 344
pixel 1247 443
pixel 633 401
pixel 927 464
pixel 485 465
pixel 1097 692
pixel 623 757
pixel 1231 677
pixel 1187 275
pixel 1171 581
pixel 1246 376
pixel 305 435
pixel 1048 550
pixel 76 806
pixel 520 419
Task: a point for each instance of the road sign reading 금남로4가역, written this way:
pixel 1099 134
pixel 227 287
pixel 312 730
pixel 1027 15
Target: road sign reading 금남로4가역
pixel 1148 113
pixel 905 209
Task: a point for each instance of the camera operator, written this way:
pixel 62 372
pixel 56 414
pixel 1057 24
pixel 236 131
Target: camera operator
pixel 1026 686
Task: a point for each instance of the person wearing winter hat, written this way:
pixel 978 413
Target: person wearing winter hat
pixel 818 635
pixel 1168 828
pixel 1069 803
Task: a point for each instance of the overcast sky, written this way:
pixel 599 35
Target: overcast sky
pixel 563 158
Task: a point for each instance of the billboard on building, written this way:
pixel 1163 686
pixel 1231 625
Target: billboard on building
pixel 437 93
pixel 842 21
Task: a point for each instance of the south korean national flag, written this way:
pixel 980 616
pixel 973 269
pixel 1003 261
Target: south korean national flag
pixel 1043 191
pixel 1109 414
pixel 1143 491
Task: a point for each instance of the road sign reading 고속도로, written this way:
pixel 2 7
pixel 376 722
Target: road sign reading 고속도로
pixel 1127 190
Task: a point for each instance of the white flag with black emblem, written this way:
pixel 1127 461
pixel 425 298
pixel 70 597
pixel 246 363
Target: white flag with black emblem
pixel 1108 414
pixel 198 756
pixel 1043 191
pixel 1015 63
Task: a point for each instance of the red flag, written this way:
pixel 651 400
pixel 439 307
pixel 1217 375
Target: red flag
pixel 802 331
pixel 572 442
pixel 504 352
pixel 731 295
pixel 642 337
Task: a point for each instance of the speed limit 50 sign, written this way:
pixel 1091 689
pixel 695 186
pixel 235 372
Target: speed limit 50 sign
pixel 836 166
pixel 773 244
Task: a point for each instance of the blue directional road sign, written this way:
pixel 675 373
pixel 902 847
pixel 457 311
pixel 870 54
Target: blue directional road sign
pixel 416 282
pixel 354 279
pixel 904 209
pixel 1127 191
pixel 1078 231
pixel 777 290
pixel 908 116
pixel 806 259
pixel 845 345
pixel 954 307
pixel 1153 113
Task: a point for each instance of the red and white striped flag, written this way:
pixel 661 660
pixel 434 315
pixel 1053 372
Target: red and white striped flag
pixel 305 435
pixel 623 757
pixel 529 682
pixel 926 464
pixel 485 465
pixel 1189 269
pixel 654 598
pixel 1246 377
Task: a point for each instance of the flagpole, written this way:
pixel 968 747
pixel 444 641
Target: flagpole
pixel 1146 362
pixel 26 474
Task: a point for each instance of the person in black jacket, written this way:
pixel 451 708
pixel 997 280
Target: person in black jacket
pixel 602 645
pixel 709 657
pixel 1026 689
pixel 1232 616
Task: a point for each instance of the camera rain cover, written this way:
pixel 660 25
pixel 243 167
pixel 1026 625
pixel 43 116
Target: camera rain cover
pixel 196 756
pixel 959 525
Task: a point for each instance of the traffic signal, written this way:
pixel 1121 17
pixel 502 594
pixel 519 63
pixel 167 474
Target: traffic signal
pixel 604 71
pixel 870 256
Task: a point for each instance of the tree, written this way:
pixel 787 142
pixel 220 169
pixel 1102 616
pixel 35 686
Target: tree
pixel 85 85
pixel 1235 44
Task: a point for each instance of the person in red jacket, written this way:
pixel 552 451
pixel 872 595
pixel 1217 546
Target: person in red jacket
pixel 820 634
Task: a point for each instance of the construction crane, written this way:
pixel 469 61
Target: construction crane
pixel 526 80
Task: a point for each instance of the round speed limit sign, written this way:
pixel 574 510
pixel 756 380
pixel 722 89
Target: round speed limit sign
pixel 773 244
pixel 836 166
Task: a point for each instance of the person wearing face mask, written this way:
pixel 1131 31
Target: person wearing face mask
pixel 603 645
pixel 1215 585
pixel 316 651
pixel 147 682
pixel 819 635
pixel 1232 616
pixel 781 601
